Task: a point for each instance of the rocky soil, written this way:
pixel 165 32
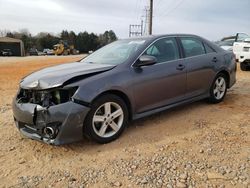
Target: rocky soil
pixel 196 145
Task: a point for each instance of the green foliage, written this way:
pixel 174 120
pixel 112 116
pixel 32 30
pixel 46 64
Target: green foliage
pixel 83 41
pixel 47 41
pixel 86 42
pixel 107 37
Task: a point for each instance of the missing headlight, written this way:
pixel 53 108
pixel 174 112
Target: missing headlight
pixel 62 95
pixel 46 98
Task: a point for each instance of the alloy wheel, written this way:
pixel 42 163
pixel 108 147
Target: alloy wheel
pixel 108 119
pixel 219 88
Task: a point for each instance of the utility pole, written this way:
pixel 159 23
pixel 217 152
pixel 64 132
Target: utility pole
pixel 147 29
pixel 146 21
pixel 150 17
pixel 141 27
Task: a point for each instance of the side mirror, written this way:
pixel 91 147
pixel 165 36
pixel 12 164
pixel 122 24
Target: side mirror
pixel 146 60
pixel 247 40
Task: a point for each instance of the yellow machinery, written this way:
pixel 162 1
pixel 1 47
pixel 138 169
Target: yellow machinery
pixel 64 49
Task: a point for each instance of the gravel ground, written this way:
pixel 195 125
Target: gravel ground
pixel 196 145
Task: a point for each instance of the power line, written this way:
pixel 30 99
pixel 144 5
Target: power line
pixel 171 6
pixel 135 9
pixel 157 3
pixel 165 8
pixel 146 20
pixel 139 11
pixel 174 8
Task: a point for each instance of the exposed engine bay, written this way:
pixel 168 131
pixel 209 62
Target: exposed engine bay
pixel 45 98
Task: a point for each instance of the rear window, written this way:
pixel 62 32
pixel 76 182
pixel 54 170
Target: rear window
pixel 208 49
pixel 192 47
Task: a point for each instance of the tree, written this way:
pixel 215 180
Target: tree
pixel 47 41
pixel 83 41
pixel 72 38
pixel 64 35
pixel 94 42
pixel 107 37
pixel 3 33
pixel 26 37
pixel 27 41
pixel 86 42
pixel 9 34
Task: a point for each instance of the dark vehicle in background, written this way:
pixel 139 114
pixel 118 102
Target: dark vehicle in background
pixel 6 52
pixel 123 81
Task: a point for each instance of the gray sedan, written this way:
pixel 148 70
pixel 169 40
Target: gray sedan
pixel 123 81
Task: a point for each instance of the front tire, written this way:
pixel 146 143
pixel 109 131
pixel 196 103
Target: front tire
pixel 107 119
pixel 218 89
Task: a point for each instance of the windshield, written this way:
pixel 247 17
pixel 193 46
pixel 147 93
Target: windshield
pixel 241 37
pixel 115 53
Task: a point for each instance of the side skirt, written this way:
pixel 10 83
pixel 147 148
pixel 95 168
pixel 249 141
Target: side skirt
pixel 154 111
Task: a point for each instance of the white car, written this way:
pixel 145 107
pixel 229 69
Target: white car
pixel 48 51
pixel 227 44
pixel 241 49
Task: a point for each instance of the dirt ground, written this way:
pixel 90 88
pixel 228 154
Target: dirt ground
pixel 197 145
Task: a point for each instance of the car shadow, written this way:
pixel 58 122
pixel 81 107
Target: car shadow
pixel 154 128
pixel 168 126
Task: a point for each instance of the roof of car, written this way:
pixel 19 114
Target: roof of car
pixel 161 35
pixel 155 37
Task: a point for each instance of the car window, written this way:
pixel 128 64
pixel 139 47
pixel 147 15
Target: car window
pixel 164 50
pixel 208 49
pixel 192 46
pixel 116 52
pixel 153 51
pixel 241 37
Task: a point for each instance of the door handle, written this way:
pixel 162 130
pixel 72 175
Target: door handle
pixel 180 67
pixel 214 60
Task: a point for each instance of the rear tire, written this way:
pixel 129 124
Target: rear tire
pixel 107 119
pixel 243 66
pixel 218 89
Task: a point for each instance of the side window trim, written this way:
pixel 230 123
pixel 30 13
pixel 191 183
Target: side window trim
pixel 178 50
pixel 195 38
pixel 176 38
pixel 204 43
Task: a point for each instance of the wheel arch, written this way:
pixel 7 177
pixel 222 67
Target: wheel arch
pixel 123 96
pixel 227 76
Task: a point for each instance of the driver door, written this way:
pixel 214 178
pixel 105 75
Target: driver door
pixel 163 83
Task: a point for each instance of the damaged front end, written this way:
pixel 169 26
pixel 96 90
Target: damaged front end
pixel 49 115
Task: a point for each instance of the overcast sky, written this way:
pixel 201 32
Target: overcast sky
pixel 212 19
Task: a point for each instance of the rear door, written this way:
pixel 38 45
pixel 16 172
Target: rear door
pixel 162 83
pixel 200 60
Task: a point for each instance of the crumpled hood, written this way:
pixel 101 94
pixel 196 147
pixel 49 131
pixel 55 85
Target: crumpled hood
pixel 57 75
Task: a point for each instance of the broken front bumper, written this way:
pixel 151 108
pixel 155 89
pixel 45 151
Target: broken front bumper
pixel 66 119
